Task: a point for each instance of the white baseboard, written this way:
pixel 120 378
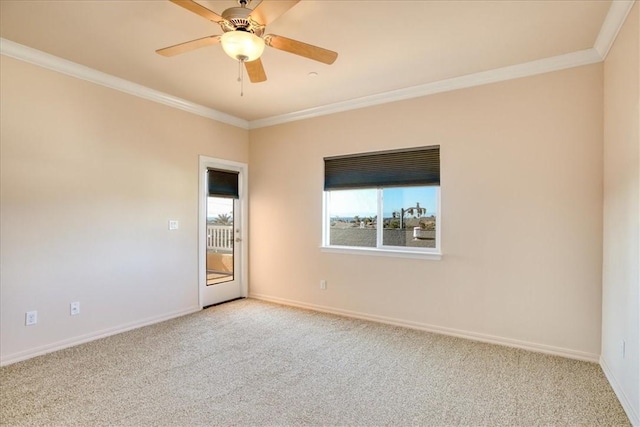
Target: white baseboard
pixel 49 348
pixel 491 339
pixel 628 407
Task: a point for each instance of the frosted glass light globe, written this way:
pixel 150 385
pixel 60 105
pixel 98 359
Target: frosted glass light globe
pixel 242 45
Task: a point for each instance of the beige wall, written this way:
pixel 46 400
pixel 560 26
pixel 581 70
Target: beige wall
pixel 621 277
pixel 89 179
pixel 521 212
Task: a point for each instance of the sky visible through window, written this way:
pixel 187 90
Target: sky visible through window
pixel 219 206
pixel 363 202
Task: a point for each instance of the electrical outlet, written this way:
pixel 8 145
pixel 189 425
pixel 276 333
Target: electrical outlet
pixel 74 308
pixel 173 224
pixel 31 318
pixel 323 284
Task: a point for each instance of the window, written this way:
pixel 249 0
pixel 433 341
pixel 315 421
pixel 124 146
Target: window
pixel 384 202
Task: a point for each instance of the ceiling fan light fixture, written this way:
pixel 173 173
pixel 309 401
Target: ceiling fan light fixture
pixel 242 45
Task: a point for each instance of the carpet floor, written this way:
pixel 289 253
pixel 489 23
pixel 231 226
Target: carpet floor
pixel 255 363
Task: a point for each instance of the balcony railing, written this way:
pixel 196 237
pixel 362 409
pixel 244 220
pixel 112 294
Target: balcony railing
pixel 219 237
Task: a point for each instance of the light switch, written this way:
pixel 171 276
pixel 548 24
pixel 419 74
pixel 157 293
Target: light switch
pixel 173 225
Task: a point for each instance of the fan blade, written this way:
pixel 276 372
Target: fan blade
pixel 255 71
pixel 268 11
pixel 198 9
pixel 299 48
pixel 187 46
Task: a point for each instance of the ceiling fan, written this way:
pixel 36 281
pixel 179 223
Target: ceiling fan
pixel 243 36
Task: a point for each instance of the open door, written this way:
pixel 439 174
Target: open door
pixel 222 221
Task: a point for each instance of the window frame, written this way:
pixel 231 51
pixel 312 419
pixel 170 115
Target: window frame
pixel 380 249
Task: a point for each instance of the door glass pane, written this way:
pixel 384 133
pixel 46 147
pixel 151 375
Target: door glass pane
pixel 219 240
pixel 409 216
pixel 352 217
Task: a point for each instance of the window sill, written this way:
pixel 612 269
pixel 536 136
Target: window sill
pixel 393 253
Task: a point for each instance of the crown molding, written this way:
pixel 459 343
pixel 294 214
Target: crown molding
pixel 546 65
pixel 51 62
pixel 614 20
pixel 611 26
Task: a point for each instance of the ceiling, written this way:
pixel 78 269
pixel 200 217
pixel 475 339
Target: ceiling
pixel 383 46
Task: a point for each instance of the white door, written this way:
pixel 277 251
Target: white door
pixel 222 221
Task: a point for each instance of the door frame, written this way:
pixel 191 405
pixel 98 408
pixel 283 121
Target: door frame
pixel 205 163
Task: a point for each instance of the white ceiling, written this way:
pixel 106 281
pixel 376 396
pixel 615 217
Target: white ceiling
pixel 383 46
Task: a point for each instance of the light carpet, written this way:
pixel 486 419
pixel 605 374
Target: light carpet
pixel 255 363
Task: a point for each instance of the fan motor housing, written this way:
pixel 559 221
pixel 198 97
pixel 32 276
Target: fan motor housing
pixel 237 18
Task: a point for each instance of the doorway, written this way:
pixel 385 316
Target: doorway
pixel 222 246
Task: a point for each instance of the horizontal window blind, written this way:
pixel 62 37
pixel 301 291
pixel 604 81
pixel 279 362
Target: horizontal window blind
pixel 397 168
pixel 222 183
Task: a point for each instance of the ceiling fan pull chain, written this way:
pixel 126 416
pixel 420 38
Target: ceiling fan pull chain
pixel 241 76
